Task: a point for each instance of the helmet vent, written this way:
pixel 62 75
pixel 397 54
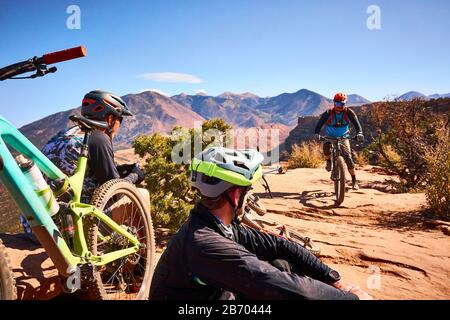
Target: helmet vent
pixel 218 157
pixel 240 165
pixel 232 154
pixel 111 104
pixel 119 101
pixel 98 108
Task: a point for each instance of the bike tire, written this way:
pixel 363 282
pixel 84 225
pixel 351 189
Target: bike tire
pixel 339 182
pixel 305 242
pixel 115 190
pixel 7 284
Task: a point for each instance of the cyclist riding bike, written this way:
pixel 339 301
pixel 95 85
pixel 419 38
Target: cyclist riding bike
pixel 64 148
pixel 337 122
pixel 215 257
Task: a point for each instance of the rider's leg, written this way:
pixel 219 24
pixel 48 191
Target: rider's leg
pixel 327 153
pixel 347 154
pixel 27 230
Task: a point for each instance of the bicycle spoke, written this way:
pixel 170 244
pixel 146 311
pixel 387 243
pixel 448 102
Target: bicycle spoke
pixel 135 210
pixel 112 277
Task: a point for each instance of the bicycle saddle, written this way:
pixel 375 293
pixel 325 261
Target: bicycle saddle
pixel 88 124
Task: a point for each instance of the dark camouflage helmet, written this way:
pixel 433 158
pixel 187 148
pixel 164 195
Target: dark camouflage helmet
pixel 98 104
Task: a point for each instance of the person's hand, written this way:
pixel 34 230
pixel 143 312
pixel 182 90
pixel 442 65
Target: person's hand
pixel 360 137
pixel 361 294
pixel 342 286
pixel 356 290
pixel 124 169
pixel 140 173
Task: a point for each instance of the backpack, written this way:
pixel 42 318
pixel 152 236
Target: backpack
pixel 332 116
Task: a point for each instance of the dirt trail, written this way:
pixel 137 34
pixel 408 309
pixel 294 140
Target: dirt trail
pixel 373 232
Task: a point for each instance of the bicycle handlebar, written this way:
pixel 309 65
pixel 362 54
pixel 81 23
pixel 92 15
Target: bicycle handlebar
pixel 39 64
pixel 64 55
pixel 323 138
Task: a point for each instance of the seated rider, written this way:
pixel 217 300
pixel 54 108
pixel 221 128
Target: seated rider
pixel 337 122
pixel 64 148
pixel 214 256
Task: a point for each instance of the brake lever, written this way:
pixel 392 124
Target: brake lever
pixel 41 70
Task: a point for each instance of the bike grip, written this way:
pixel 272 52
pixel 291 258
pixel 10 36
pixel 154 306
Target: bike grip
pixel 63 55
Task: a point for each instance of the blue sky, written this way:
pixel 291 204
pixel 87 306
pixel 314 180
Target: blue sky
pixel 264 47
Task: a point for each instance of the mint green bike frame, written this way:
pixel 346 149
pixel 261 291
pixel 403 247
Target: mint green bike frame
pixel 65 258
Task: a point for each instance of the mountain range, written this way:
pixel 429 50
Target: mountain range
pixel 414 94
pixel 159 113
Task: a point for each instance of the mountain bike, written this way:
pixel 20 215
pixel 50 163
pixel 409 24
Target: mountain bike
pixel 337 167
pixel 253 215
pixel 104 249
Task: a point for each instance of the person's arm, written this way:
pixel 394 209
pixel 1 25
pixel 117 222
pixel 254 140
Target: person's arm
pixel 355 121
pixel 269 247
pixel 323 119
pixel 225 264
pixel 101 158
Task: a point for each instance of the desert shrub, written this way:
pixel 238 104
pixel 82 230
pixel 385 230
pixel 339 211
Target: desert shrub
pixel 437 188
pixel 371 155
pixel 409 133
pixel 390 158
pixel 306 155
pixel 168 182
pixel 361 158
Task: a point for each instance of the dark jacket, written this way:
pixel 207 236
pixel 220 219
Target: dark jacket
pixel 201 262
pixel 101 159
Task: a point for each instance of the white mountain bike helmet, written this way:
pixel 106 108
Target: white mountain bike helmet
pixel 215 170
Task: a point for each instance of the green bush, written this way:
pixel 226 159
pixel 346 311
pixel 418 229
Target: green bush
pixel 168 182
pixel 307 155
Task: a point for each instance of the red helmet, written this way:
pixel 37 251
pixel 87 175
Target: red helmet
pixel 340 97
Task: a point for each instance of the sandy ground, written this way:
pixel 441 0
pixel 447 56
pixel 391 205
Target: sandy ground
pixel 378 240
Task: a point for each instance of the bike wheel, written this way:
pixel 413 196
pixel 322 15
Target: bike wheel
pixel 339 181
pixel 7 283
pixel 128 277
pixel 305 242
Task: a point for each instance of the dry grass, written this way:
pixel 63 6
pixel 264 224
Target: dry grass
pixel 437 187
pixel 306 155
pixel 361 158
pixel 393 158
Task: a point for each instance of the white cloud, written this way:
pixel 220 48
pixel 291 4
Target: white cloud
pixel 155 90
pixel 171 77
pixel 200 91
